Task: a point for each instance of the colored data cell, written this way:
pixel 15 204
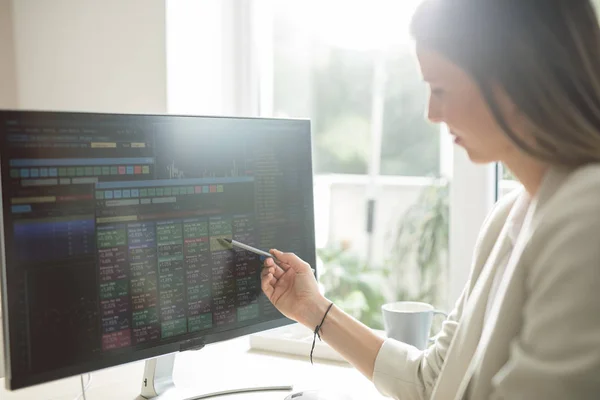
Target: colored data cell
pixel 200 322
pixel 111 237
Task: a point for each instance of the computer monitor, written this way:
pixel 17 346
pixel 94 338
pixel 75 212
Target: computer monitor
pixel 111 226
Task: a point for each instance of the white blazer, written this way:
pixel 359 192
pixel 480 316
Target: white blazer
pixel 541 338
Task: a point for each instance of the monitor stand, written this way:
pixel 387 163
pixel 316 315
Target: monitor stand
pixel 158 384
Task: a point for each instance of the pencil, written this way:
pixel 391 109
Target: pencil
pixel 253 249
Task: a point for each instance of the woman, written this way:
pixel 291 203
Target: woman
pixel 517 82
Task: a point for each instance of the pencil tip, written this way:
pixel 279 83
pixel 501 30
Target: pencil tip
pixel 227 240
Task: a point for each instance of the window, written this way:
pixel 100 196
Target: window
pixel 506 181
pixel 337 74
pixel 380 167
pixel 355 76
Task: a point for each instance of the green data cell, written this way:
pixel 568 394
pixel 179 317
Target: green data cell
pixel 200 322
pixel 145 317
pixel 220 226
pixel 174 327
pixel 143 284
pixel 196 246
pixel 195 293
pixel 111 238
pixel 251 311
pixel 169 233
pixel 165 261
pixel 196 229
pixel 171 280
pixel 111 290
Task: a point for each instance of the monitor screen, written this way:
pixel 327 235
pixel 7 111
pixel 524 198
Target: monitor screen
pixel 111 228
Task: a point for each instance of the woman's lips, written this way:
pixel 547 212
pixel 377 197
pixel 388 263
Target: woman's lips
pixel 457 138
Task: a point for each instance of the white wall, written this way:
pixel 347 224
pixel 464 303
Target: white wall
pixel 196 63
pixel 83 55
pixel 8 78
pixel 211 57
pixel 8 96
pixel 88 55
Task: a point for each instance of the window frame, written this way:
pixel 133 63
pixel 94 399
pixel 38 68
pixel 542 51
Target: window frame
pixel 242 52
pixel 473 188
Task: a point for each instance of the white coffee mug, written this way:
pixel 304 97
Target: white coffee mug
pixel 409 322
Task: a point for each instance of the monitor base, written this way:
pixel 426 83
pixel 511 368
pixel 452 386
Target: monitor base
pixel 158 384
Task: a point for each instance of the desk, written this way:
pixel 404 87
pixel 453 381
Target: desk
pixel 216 367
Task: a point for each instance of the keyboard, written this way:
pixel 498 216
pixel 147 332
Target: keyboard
pixel 295 339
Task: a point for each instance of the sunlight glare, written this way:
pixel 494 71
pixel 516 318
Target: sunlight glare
pixel 362 24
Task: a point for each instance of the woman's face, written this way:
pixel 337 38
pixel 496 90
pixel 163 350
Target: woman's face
pixel 456 100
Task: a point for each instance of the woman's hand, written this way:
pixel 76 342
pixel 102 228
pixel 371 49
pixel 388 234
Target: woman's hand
pixel 292 288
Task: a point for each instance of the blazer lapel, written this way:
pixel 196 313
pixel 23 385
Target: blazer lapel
pixel 551 182
pixel 488 328
pixel 470 327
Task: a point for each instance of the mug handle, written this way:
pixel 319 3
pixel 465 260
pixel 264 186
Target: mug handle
pixel 437 312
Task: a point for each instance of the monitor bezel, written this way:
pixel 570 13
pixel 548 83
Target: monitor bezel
pixel 14 383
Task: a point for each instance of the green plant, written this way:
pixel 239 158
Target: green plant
pixel 353 285
pixel 507 175
pixel 415 270
pixel 419 258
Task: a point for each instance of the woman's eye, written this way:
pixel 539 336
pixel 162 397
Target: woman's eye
pixel 437 92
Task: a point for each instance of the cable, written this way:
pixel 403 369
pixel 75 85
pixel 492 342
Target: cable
pixel 84 387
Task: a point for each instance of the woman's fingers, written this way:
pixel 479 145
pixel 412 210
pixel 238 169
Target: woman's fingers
pixel 266 284
pixel 290 260
pixel 278 267
pixel 266 271
pixel 270 272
